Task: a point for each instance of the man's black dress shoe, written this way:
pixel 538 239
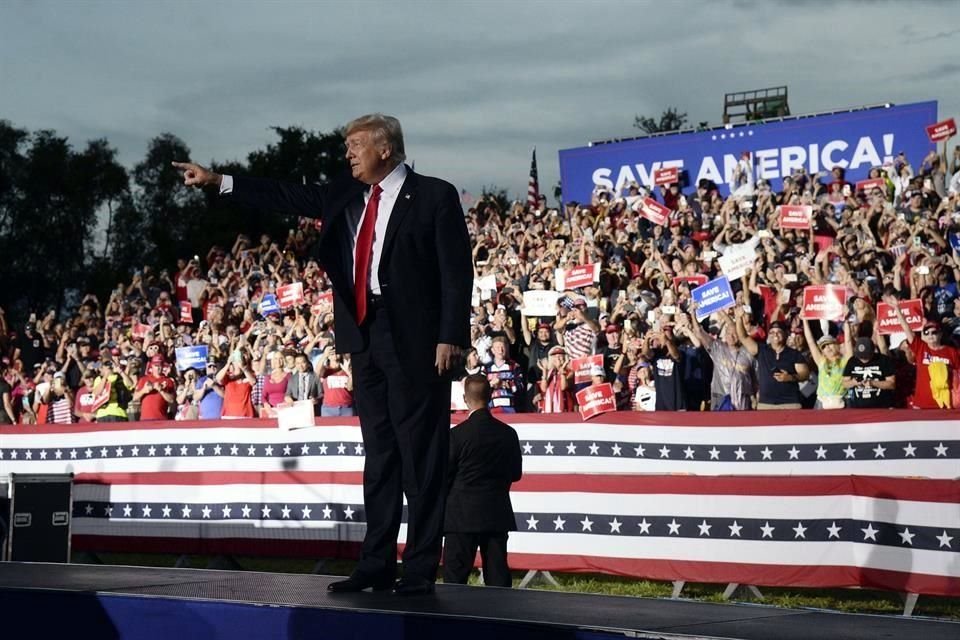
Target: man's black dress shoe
pixel 359 582
pixel 413 587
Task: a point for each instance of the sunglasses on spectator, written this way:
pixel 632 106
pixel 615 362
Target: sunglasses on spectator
pixel 930 331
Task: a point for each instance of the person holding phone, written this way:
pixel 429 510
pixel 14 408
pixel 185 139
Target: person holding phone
pixel 780 369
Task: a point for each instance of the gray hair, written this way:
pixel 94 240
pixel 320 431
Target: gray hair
pixel 385 129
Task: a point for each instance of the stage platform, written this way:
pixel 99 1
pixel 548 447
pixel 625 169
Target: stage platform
pixel 104 602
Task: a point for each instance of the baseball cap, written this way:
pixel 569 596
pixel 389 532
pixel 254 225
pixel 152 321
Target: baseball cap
pixel 612 328
pixel 863 348
pixel 158 360
pixel 556 351
pixel 544 325
pixel 825 340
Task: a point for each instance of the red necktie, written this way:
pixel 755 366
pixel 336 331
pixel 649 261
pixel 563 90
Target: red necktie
pixel 364 251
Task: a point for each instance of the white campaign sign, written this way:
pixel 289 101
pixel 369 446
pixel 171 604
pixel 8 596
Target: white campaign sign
pixel 737 258
pixel 540 303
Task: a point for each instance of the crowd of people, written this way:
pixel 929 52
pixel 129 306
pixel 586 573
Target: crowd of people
pixel 114 359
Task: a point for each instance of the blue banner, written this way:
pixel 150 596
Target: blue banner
pixel 192 358
pixel 269 304
pixel 856 141
pixel 714 296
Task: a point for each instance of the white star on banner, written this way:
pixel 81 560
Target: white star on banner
pixel 183 450
pixel 767 530
pixel 135 452
pixel 1 454
pixel 88 509
pixel 341 449
pixel 127 511
pixel 29 455
pixel 941 450
pixel 152 451
pixel 305 512
pixel 88 453
pixel 13 455
pixel 358 450
pixel 821 453
pixel 217 450
pixel 615 526
pixel 226 511
pixel 800 531
pixel 348 513
pixel 794 453
pixel 119 452
pixel 73 454
pixel 201 451
pixel 265 511
pixel 147 511
pixel 527 449
pixel 688 453
pixel 664 452
pixel 767 453
pixel 43 454
pixel 246 511
pixel 639 449
pixel 734 529
pixel 644 526
pixel 103 452
pixel 616 449
pixel 234 450
pixel 909 451
pixel 749 133
pixel 268 451
pixel 594 449
pixel 108 511
pixel 532 523
pixel 714 453
pixel 834 530
pixel 251 450
pixel 850 452
pixel 571 448
pixel 305 450
pixel 327 511
pixel 286 450
pixel 741 454
pixel 323 449
pixel 186 511
pixel 167 450
pixel 548 448
pixel 166 511
pixel 906 536
pixel 206 511
pixel 870 533
pixel 945 540
pixel 285 512
pixel 558 524
pixel 705 528
pixel 587 523
pixel 879 452
pixel 674 527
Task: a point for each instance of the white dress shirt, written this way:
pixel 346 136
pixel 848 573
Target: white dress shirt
pixel 391 186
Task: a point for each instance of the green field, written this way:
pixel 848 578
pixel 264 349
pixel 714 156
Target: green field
pixel 848 600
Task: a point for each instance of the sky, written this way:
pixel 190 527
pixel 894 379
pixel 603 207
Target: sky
pixel 476 85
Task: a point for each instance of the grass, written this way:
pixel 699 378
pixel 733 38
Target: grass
pixel 846 600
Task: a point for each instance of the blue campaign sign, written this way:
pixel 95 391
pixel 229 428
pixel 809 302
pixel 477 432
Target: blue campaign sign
pixel 714 296
pixel 955 241
pixel 856 141
pixel 192 357
pixel 269 304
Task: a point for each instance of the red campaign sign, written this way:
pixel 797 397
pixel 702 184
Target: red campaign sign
pixel 94 402
pixel 795 216
pixel 323 303
pixel 654 211
pixel 875 183
pixel 141 330
pixel 596 400
pixel 582 276
pixel 824 302
pixel 582 368
pixel 290 295
pixel 669 175
pixel 186 313
pixel 912 311
pixel 694 280
pixel 942 130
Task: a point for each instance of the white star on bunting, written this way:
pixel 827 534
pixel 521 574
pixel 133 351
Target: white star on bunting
pixel 741 454
pixel 705 528
pixel 644 526
pixel 527 449
pixel 558 524
pixel 348 513
pixel 714 453
pixel 594 449
pixel 870 533
pixel 767 453
pixel 834 530
pixel 640 450
pixel 794 453
pixel 945 540
pixel 850 452
pixel 615 526
pixel 906 536
pixel 674 527
pixel 548 448
pixel 909 451
pixel 821 453
pixel 571 448
pixel 246 511
pixel 305 512
pixel 341 449
pixel 800 531
pixel 587 523
pixel 734 529
pixel 616 449
pixel 664 452
pixel 532 523
pixel 879 452
pixel 767 530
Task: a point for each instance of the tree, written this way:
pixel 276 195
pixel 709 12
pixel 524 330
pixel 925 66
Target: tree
pixel 670 120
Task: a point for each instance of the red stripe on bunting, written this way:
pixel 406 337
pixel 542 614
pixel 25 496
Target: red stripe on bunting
pixel 210 478
pixel 626 418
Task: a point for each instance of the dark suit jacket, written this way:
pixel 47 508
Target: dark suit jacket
pixel 426 272
pixel 314 390
pixel 485 458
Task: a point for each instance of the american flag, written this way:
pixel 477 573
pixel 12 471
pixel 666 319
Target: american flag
pixel 533 185
pixel 819 498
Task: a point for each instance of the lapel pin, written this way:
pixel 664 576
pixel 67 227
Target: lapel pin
pixel 407 196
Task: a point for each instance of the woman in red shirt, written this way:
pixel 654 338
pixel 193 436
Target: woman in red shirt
pixel 337 380
pixel 237 380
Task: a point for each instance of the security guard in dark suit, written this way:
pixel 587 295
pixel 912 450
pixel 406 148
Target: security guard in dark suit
pixel 485 458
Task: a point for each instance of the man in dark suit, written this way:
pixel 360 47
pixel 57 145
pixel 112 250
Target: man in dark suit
pixel 303 383
pixel 402 238
pixel 485 458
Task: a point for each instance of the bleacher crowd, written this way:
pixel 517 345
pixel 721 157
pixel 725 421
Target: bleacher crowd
pixel 114 359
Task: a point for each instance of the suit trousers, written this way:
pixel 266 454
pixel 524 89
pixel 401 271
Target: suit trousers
pixel 460 549
pixel 405 423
